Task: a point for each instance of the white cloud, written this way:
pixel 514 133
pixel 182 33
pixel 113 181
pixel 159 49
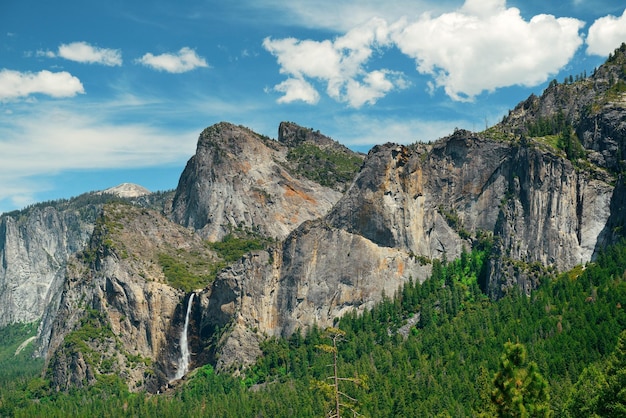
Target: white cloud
pixel 375 85
pixel 49 139
pixel 185 60
pixel 342 16
pixel 46 54
pixel 85 53
pixel 14 84
pixel 296 89
pixel 484 46
pixel 367 130
pixel 339 63
pixel 479 47
pixel 606 34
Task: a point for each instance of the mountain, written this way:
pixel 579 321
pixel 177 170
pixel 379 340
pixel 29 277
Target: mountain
pixel 119 309
pixel 544 200
pixel 127 190
pixel 35 244
pixel 239 179
pixel 275 236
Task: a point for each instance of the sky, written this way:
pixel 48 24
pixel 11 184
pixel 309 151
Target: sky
pixel 97 93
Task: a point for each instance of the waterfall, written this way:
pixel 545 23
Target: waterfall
pixel 185 355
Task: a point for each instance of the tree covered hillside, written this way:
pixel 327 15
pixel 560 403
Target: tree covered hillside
pixel 440 348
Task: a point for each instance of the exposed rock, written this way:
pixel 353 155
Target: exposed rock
pixel 542 207
pixel 34 246
pixel 117 303
pixel 409 205
pixel 238 179
pixel 595 107
pixel 127 190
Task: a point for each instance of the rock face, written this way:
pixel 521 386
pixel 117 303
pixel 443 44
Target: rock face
pixel 127 190
pixel 595 107
pixel 410 204
pixel 34 247
pixel 118 313
pixel 35 244
pixel 238 179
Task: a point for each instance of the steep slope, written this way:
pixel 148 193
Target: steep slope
pixel 36 242
pixel 122 307
pixel 542 189
pixel 34 246
pixel 239 179
pixel 407 206
pixel 593 107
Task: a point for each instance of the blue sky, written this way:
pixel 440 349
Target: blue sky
pixel 93 93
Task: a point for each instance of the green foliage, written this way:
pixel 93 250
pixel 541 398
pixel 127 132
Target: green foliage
pixel 568 141
pixel 93 327
pixel 613 400
pixel 558 133
pixel 442 366
pixel 232 248
pixel 584 401
pixel 452 219
pixel 325 166
pixel 187 271
pixel 520 391
pixel 551 125
pixel 15 365
pixel 190 270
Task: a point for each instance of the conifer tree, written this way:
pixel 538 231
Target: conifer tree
pixel 341 400
pixel 613 400
pixel 520 390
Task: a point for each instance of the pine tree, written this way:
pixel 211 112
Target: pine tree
pixel 520 390
pixel 613 400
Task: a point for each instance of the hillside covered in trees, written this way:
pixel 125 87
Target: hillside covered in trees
pixel 440 348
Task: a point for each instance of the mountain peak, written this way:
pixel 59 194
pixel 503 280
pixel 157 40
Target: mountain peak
pixel 127 190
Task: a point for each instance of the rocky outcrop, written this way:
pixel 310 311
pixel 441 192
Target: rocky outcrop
pixel 118 312
pixel 239 179
pixel 34 246
pixel 542 204
pixel 127 190
pixel 409 205
pixel 594 107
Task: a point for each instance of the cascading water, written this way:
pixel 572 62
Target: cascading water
pixel 185 355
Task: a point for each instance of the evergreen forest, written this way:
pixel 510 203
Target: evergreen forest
pixel 440 348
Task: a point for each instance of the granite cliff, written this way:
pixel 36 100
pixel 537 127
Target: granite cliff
pixel 240 179
pixel 542 186
pixel 35 244
pixel 407 206
pixel 33 250
pixel 121 308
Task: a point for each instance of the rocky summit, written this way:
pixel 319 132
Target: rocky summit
pixel 275 236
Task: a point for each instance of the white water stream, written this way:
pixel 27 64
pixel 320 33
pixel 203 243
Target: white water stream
pixel 185 355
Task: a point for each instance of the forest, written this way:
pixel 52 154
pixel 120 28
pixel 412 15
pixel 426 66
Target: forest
pixel 440 348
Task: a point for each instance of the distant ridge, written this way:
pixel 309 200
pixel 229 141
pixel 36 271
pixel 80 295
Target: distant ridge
pixel 127 190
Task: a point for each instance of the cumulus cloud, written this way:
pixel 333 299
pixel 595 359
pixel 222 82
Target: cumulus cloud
pixel 482 46
pixel 15 84
pixel 184 60
pixel 295 89
pixel 339 64
pixel 606 34
pixel 85 53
